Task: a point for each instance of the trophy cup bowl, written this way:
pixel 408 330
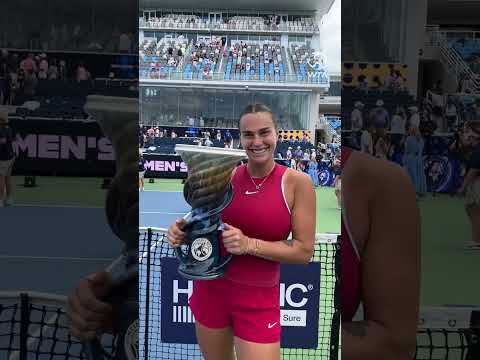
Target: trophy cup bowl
pixel 208 191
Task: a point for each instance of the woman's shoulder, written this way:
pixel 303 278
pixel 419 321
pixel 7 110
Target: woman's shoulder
pixel 367 172
pixel 296 178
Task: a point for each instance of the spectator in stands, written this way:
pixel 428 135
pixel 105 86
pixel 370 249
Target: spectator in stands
pixel 28 64
pixel 7 158
pixel 173 134
pixel 13 86
pixel 363 83
pixel 30 84
pixel 289 154
pixel 471 182
pixel 379 115
pixel 299 153
pixel 413 160
pixel 366 140
pixel 451 113
pixel 228 139
pixel 312 171
pixel 208 142
pixel 382 144
pixel 414 120
pixel 397 130
pixel 356 119
pixel 82 74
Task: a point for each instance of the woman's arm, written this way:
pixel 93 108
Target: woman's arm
pixel 390 275
pixel 299 249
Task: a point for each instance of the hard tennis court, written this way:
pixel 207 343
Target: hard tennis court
pixel 162 203
pixel 446 316
pixel 55 234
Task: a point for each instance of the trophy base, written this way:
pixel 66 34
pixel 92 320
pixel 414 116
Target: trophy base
pixel 201 260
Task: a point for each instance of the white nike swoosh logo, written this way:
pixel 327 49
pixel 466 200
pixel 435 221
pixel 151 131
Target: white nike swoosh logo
pixel 250 192
pixel 272 325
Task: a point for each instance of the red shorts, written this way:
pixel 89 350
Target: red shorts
pixel 252 312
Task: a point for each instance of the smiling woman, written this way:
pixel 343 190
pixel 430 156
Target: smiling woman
pixel 245 313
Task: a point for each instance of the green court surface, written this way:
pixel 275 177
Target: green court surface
pixel 449 273
pixel 445 228
pixel 328 215
pixel 60 191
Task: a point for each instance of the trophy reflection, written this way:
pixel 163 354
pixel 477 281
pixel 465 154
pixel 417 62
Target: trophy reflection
pixel 208 191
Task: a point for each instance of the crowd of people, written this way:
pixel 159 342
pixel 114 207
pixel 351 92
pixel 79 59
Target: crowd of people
pixel 200 59
pixel 201 136
pixel 20 74
pixel 237 22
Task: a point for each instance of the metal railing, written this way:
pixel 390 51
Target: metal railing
pixel 311 78
pixel 452 59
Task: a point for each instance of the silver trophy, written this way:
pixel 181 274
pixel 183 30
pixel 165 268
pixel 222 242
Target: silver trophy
pixel 208 191
pixel 118 120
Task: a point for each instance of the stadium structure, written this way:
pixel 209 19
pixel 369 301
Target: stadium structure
pixel 423 58
pixel 201 67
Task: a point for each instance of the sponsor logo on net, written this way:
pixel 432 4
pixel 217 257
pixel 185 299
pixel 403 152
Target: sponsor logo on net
pixel 293 296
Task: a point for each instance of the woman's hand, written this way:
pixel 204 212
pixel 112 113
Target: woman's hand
pixel 235 241
pixel 175 235
pixel 86 313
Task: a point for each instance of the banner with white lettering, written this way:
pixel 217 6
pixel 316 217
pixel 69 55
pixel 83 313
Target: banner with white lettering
pixel 47 147
pixel 164 166
pixel 299 304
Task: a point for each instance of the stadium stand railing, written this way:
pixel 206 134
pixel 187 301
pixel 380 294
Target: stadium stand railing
pixel 303 25
pixel 451 58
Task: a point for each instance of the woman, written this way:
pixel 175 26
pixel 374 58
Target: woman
pixel 381 144
pixel 413 160
pixel 245 315
pixel 397 129
pixel 380 259
pixel 141 172
pixel 7 158
pixel 313 171
pixel 471 182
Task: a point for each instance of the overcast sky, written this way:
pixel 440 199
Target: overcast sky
pixel 331 37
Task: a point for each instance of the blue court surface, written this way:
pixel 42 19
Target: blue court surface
pixel 160 209
pixel 49 249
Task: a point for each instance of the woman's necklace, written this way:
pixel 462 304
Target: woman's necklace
pixel 259 186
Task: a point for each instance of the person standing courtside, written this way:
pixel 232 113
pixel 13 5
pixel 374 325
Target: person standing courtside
pixel 7 158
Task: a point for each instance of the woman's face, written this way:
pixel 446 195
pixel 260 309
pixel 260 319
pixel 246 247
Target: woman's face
pixel 258 137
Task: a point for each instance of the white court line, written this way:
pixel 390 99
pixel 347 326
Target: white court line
pixel 58 258
pixel 58 206
pixel 169 191
pixel 163 212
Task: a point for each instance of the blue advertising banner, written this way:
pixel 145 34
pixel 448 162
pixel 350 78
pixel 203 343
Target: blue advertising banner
pixel 299 304
pixel 177 325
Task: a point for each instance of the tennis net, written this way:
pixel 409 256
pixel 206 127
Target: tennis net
pixel 448 333
pixel 34 326
pixel 154 248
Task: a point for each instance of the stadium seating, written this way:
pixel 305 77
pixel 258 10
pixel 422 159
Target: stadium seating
pixel 469 50
pixel 165 145
pixel 237 22
pixel 304 64
pixel 228 57
pixel 250 61
pixel 159 60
